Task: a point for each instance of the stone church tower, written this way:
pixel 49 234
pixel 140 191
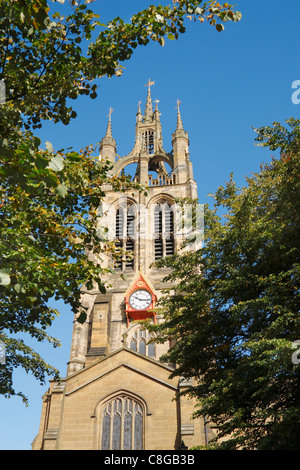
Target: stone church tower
pixel 117 394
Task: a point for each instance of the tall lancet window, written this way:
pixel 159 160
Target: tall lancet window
pixel 122 421
pixel 163 230
pixel 125 236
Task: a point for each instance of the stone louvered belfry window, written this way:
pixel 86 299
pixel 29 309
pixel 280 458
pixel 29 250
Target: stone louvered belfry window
pixel 163 230
pixel 122 424
pixel 148 141
pixel 125 236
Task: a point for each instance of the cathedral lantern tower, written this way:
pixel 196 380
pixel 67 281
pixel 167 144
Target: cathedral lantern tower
pixel 117 394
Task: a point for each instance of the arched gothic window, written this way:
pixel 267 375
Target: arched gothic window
pixel 163 230
pixel 122 422
pixel 139 342
pixel 125 236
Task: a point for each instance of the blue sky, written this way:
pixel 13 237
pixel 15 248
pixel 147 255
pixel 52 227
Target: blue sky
pixel 227 82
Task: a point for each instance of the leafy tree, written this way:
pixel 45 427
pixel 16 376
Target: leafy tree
pixel 48 199
pixel 46 59
pixel 233 314
pixel 49 245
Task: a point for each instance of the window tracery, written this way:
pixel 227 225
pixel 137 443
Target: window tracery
pixel 139 342
pixel 122 424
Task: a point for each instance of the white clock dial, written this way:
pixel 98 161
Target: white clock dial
pixel 140 299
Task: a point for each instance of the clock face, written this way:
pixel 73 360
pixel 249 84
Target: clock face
pixel 140 299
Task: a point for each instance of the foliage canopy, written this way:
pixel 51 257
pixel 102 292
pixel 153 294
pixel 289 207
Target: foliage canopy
pixel 233 314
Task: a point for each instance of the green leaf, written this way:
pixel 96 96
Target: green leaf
pixel 82 317
pixel 49 147
pixel 237 16
pixel 171 36
pixel 34 185
pixel 74 157
pixel 102 289
pixel 51 180
pixel 4 278
pixel 61 190
pixel 19 288
pixel 41 162
pixel 56 163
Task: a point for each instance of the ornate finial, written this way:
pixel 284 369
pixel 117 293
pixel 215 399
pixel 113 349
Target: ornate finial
pixel 139 116
pixel 108 130
pixel 156 111
pixel 179 120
